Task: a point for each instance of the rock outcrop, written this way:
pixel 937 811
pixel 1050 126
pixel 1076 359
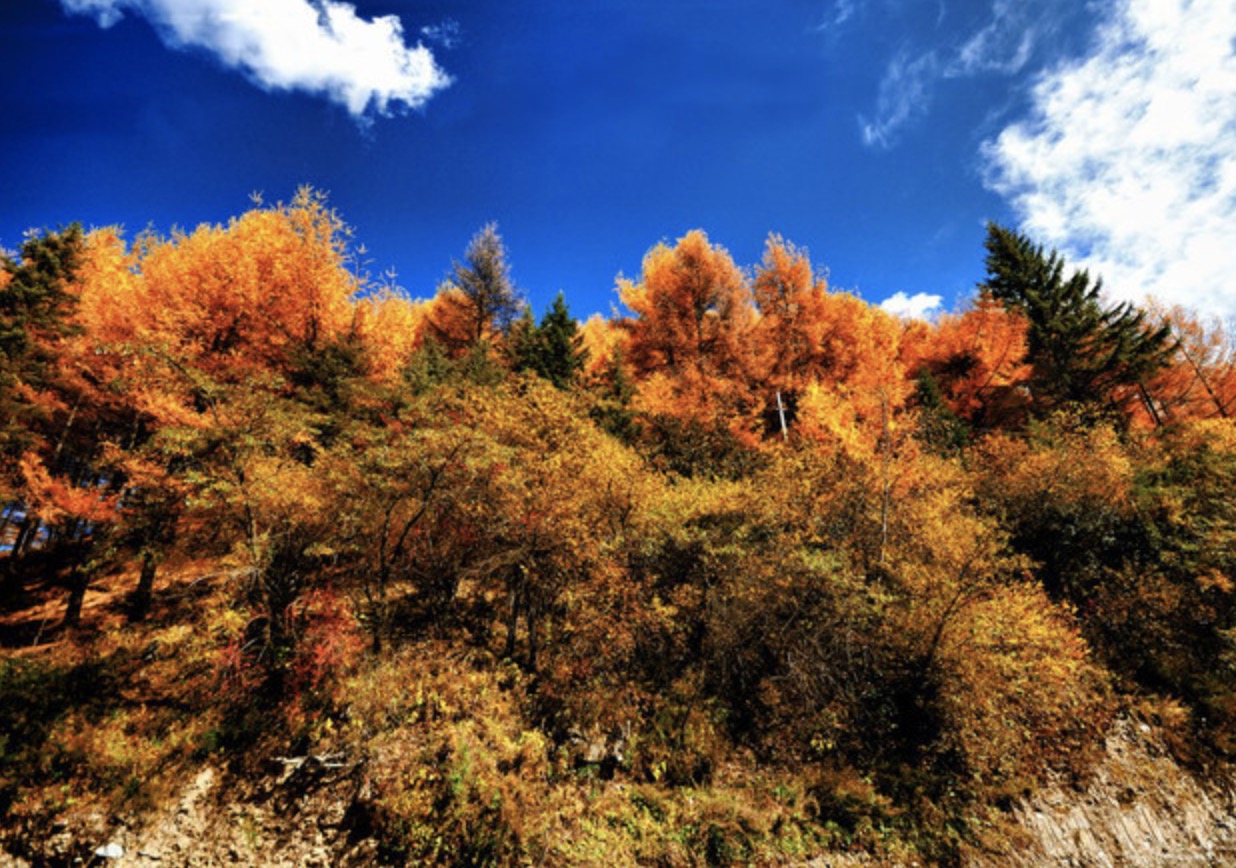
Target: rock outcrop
pixel 1139 808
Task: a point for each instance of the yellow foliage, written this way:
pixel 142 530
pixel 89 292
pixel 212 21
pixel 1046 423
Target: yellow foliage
pixel 391 327
pixel 830 417
pixel 1020 693
pixel 1069 466
pixel 601 338
pixel 245 295
pixel 112 300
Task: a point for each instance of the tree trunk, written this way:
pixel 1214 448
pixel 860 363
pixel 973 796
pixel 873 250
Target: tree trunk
pixel 25 534
pixel 139 606
pixel 512 624
pixel 533 643
pixel 1148 402
pixel 79 580
pixel 13 575
pixel 6 519
pixel 380 611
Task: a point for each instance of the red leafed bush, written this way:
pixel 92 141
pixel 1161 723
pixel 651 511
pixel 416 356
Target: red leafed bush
pixel 329 641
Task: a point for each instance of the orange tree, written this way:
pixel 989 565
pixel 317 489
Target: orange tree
pixel 65 404
pixel 236 342
pixel 1199 380
pixel 688 347
pixel 809 337
pixel 976 361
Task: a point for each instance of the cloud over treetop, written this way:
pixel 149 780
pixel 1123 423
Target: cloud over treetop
pixel 921 305
pixel 1127 162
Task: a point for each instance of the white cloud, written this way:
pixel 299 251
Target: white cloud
pixel 917 306
pixel 1127 163
pixel 317 46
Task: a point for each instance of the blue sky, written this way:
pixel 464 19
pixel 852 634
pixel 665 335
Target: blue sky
pixel 879 134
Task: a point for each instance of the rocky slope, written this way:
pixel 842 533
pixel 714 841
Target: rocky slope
pixel 1139 808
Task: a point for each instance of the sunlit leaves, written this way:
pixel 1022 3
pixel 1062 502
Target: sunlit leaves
pixel 689 337
pixel 978 359
pixel 1199 380
pixel 230 299
pixel 391 327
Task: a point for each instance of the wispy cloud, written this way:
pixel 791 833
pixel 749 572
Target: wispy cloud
pixel 445 33
pixel 1004 45
pixel 1127 162
pixel 917 306
pixel 905 94
pixel 843 11
pixel 317 46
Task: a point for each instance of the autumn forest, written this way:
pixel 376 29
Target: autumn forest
pixel 747 572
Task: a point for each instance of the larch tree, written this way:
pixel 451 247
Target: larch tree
pixel 791 299
pixel 688 344
pixel 824 348
pixel 479 300
pixel 1200 379
pixel 976 361
pixel 693 309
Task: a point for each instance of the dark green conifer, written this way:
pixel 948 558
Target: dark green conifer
pixel 553 350
pixel 560 347
pixel 1083 350
pixel 35 302
pixel 36 298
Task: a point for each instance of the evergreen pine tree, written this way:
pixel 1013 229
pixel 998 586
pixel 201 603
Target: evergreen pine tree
pixel 560 347
pixel 1083 350
pixel 522 342
pixel 36 308
pixel 553 350
pixel 428 367
pixel 36 299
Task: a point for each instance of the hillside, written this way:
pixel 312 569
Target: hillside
pixel 298 568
